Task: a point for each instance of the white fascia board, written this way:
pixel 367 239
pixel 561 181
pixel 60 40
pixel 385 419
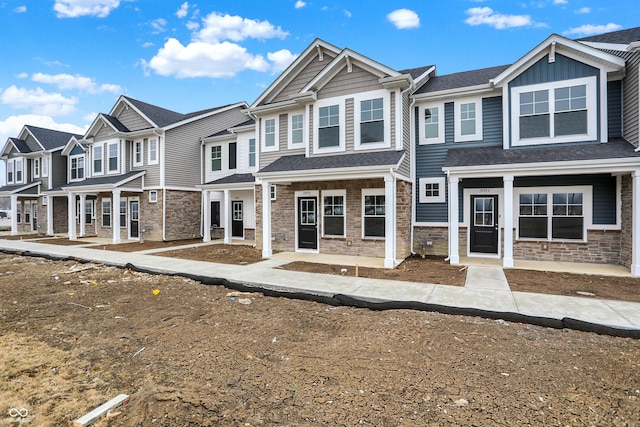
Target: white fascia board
pixel 289 73
pixel 586 167
pixel 97 121
pixel 363 172
pixel 456 92
pixel 273 108
pixel 424 77
pixel 70 145
pixel 608 46
pixel 231 187
pixel 241 104
pixel 566 47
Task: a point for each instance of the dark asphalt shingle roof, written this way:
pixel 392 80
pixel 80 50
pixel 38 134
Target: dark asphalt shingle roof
pixel 115 123
pixel 228 132
pixel 7 189
pixel 615 149
pixel 416 72
pixel 462 79
pixel 238 178
pixel 158 115
pixel 51 139
pixel 21 145
pixel 302 163
pixel 622 37
pixel 102 180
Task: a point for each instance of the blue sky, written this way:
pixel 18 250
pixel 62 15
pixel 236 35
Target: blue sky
pixel 64 61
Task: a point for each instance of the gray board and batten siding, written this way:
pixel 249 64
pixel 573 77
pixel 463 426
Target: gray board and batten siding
pixel 430 157
pixel 563 68
pixel 182 146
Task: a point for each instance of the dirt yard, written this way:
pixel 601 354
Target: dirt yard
pixel 75 335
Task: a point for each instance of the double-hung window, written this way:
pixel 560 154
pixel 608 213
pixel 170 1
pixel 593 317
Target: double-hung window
pixel 296 130
pixel 137 152
pixel 36 168
pixel 432 129
pixel 562 111
pixel 371 121
pixel 98 154
pixel 19 170
pixel 553 215
pixel 468 120
pixel 44 164
pixel 270 133
pixel 106 212
pixel 373 208
pixel 252 152
pixel 113 150
pixel 329 126
pixel 333 213
pixel 27 212
pixel 152 151
pixel 10 170
pixel 123 214
pixel 77 167
pixel 216 158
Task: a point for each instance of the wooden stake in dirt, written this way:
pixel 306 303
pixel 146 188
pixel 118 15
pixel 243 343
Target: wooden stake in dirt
pixel 90 417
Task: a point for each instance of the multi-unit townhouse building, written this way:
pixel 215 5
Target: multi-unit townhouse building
pixel 35 165
pixel 536 160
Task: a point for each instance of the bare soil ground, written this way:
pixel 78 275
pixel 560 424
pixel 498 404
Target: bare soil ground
pixel 75 335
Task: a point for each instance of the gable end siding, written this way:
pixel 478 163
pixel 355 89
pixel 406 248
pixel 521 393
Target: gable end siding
pixel 344 83
pixel 305 76
pixel 563 68
pixel 32 143
pixel 132 120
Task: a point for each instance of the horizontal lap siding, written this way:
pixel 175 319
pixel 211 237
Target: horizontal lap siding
pixel 405 166
pixel 32 143
pixel 430 158
pixel 182 146
pixel 345 83
pixel 132 120
pixel 305 76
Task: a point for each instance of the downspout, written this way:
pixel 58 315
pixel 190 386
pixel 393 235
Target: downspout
pixel 448 227
pixel 202 160
pixel 162 143
pixel 412 168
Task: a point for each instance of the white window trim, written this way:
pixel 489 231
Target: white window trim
pixel 23 178
pixel 272 192
pixel 342 193
pixel 255 153
pixel 423 140
pixel 107 169
pixel 340 102
pixel 139 142
pixel 587 209
pixel 357 109
pixel 11 169
pixel 153 196
pixel 290 144
pixel 106 199
pixel 36 169
pixel 84 168
pixel 477 136
pixel 592 126
pixel 222 166
pixel 151 161
pixel 439 199
pixel 276 145
pixel 44 167
pixel 371 192
pixel 93 148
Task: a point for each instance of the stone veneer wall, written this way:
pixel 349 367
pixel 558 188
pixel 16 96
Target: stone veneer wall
pixel 626 226
pixel 283 209
pixel 183 214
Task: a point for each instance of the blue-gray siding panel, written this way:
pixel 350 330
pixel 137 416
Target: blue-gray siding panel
pixel 614 108
pixel 563 68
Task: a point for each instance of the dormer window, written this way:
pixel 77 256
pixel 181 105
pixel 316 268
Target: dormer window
pixel 562 111
pixel 77 167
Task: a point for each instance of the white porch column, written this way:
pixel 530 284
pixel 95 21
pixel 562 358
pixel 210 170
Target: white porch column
pixel 49 215
pixel 82 216
pixel 71 215
pixel 115 214
pixel 14 215
pixel 635 220
pixel 266 220
pixel 389 221
pixel 227 216
pixel 454 250
pixel 206 212
pixel 507 257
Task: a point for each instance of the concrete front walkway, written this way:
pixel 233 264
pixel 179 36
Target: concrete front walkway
pixel 486 291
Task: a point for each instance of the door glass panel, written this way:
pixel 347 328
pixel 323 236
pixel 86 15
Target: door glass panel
pixel 308 212
pixel 483 215
pixel 237 211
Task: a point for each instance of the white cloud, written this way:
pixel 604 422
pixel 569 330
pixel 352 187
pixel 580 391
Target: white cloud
pixel 560 1
pixel 347 13
pixel 67 81
pixel 404 18
pixel 588 30
pixel 20 9
pixel 200 59
pixel 193 25
pixel 217 27
pixel 159 25
pixel 148 44
pixel 22 76
pixel 486 15
pixel 39 101
pixel 583 10
pixel 77 8
pixel 183 11
pixel 90 117
pixel 300 4
pixel 281 59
